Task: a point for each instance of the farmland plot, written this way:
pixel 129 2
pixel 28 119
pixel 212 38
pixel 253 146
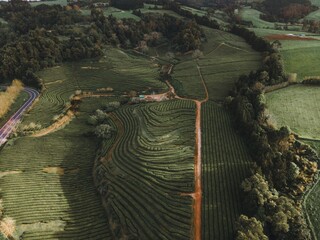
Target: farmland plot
pixel 151 168
pixel 225 163
pixel 225 57
pixel 297 107
pixel 117 70
pixel 48 187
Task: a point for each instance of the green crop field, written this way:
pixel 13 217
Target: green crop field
pixel 225 163
pixel 50 205
pixel 297 107
pixel 116 70
pixel 226 56
pixel 150 167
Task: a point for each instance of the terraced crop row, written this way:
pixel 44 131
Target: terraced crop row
pixel 61 205
pixel 225 163
pixel 225 58
pixel 118 70
pixel 150 167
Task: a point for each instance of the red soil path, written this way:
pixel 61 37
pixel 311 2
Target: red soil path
pixel 197 195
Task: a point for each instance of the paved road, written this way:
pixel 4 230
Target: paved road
pixel 10 125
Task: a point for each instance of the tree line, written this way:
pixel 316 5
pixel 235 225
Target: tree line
pixel 43 36
pixel 283 166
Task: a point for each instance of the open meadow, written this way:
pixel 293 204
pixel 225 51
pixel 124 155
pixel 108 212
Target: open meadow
pixel 297 107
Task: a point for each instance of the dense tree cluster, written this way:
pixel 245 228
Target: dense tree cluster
pixel 284 166
pixel 42 36
pixel 286 10
pixel 127 4
pixel 258 43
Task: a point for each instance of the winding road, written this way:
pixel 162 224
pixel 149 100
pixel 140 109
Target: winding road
pixel 10 125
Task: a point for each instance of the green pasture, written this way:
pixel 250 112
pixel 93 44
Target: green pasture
pixel 117 70
pixel 194 11
pixel 297 107
pixel 115 12
pixel 59 2
pixel 225 164
pixel 253 15
pixel 304 61
pixel 313 15
pixel 49 205
pixel 225 58
pixel 150 169
pixel 315 2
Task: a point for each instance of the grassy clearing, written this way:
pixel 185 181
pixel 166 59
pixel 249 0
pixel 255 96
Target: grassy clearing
pixel 313 15
pixel 303 61
pixel 59 2
pixel 117 13
pixel 253 15
pixel 49 205
pixel 226 56
pixel 194 11
pixel 149 168
pixel 297 107
pixel 315 2
pixel 117 70
pixel 2 21
pixel 225 163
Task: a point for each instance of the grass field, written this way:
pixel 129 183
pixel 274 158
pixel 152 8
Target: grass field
pixel 315 2
pixel 313 15
pixel 299 56
pixel 226 56
pixel 61 205
pixel 253 15
pixel 117 13
pixel 297 107
pixel 150 167
pixel 116 70
pixel 59 2
pixel 226 163
pixel 304 61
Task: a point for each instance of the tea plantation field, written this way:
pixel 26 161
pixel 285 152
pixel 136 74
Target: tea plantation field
pixel 49 190
pixel 225 164
pixel 118 70
pixel 151 168
pixel 225 57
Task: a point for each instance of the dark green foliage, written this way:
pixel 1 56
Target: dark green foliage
pixel 127 4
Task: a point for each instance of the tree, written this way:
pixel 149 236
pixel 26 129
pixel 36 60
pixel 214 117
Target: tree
pixel 249 229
